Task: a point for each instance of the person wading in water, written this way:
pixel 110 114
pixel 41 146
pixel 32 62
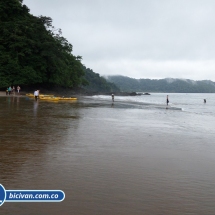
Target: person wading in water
pixel 36 94
pixel 112 97
pixel 167 100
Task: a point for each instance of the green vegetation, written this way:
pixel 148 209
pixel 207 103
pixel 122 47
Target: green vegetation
pixel 32 51
pixel 95 83
pixel 127 84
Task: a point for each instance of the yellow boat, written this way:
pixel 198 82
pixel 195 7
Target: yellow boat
pixel 41 95
pixel 49 98
pixel 57 98
pixel 30 95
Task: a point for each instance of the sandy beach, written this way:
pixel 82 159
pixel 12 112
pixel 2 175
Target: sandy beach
pixel 2 93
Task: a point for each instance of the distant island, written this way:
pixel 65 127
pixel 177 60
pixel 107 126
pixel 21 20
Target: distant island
pixel 167 85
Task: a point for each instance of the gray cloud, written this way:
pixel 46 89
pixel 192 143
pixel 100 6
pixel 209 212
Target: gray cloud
pixel 138 38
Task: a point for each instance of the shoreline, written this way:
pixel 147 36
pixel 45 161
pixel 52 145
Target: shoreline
pixel 3 94
pixel 72 93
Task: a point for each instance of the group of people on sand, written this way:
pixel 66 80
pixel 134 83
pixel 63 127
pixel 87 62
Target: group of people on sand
pixel 12 90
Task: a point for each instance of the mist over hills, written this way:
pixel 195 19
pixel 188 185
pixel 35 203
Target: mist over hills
pixel 167 85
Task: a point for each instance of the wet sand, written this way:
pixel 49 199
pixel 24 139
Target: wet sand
pixel 3 94
pixel 107 158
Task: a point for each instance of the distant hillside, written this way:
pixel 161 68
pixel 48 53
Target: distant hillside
pixel 95 83
pixel 170 85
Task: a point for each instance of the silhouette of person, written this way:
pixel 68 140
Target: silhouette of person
pixel 36 94
pixel 167 100
pixel 112 97
pixel 18 89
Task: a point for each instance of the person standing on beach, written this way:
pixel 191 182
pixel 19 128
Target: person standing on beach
pixel 18 89
pixel 13 90
pixel 36 94
pixel 112 97
pixel 167 100
pixel 9 90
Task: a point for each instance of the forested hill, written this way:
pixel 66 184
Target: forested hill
pixel 97 84
pixel 32 51
pixel 170 85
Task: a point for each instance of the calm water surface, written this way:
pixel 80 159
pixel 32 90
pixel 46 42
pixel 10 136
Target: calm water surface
pixel 131 157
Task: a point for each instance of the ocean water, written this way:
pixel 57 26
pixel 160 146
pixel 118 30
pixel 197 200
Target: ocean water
pixel 131 156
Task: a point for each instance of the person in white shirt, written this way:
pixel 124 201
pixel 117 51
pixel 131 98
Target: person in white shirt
pixel 18 89
pixel 36 94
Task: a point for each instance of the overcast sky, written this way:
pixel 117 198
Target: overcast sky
pixel 138 38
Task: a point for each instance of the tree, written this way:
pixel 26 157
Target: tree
pixel 32 51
